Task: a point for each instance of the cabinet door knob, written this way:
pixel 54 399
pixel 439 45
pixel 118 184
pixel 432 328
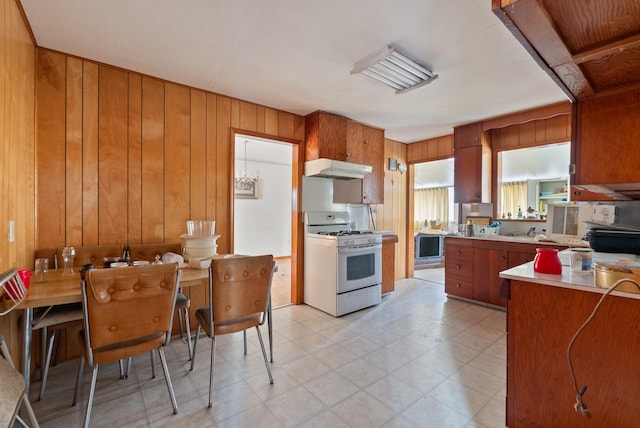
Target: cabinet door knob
pixel 365 142
pixel 457 266
pixel 458 284
pixel 458 252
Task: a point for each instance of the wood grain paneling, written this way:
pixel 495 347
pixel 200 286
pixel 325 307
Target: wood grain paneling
pixel 17 151
pixel 152 160
pixel 50 146
pixel 392 214
pixel 198 150
pixel 177 159
pixel 112 155
pixel 73 152
pixel 430 149
pixel 90 154
pixel 134 185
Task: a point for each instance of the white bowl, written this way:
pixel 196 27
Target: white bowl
pixel 141 263
pixel 200 242
pixel 199 263
pixel 200 252
pixel 119 264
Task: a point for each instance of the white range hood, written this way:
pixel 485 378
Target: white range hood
pixel 329 168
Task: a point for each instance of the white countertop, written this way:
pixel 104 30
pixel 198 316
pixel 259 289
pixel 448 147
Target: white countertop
pixel 568 279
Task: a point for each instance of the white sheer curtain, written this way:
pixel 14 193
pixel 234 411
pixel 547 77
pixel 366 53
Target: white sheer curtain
pixel 514 195
pixel 432 204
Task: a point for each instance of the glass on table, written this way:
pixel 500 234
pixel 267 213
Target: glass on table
pixel 68 254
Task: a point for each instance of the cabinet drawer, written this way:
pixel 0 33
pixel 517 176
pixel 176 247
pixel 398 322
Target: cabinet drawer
pixel 458 252
pixel 458 267
pixel 458 287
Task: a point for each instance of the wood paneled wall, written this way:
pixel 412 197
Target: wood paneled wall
pixel 127 158
pixel 392 215
pixel 431 149
pixel 17 172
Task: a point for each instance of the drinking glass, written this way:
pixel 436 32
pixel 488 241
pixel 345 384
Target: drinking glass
pixel 68 254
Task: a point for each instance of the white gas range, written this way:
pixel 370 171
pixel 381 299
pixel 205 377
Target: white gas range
pixel 343 267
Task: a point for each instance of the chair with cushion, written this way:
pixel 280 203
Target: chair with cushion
pixel 149 252
pixel 239 290
pixel 13 395
pixel 127 312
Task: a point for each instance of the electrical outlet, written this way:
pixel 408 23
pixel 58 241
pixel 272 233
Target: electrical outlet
pixel 12 230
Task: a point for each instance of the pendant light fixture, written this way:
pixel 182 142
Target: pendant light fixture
pixel 246 186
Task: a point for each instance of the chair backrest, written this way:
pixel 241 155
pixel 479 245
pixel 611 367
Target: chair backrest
pixel 240 286
pixel 124 305
pixel 150 251
pixel 91 254
pixel 12 290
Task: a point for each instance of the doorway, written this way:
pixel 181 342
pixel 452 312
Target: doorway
pixel 262 206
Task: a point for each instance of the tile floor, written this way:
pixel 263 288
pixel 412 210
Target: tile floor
pixel 418 359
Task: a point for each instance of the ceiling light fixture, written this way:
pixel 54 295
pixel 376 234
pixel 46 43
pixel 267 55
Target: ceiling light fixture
pixel 394 70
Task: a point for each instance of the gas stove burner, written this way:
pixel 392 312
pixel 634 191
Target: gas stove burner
pixel 338 233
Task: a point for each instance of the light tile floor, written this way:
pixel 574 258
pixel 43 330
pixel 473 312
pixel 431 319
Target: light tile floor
pixel 418 359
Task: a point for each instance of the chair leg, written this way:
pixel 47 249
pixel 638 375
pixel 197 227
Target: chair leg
pixel 186 317
pixel 211 367
pixel 94 377
pixel 180 323
pixel 129 361
pixel 195 344
pixel 167 378
pixel 30 412
pixel 153 364
pixel 78 382
pixel 244 338
pixel 46 362
pixel 264 354
pixel 43 349
pixel 123 373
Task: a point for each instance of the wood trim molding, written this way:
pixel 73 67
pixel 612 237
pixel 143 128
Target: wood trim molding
pixel 527 116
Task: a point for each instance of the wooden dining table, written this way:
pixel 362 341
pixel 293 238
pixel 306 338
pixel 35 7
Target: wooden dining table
pixel 54 288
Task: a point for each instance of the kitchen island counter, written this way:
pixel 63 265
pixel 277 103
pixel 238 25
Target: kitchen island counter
pixel 544 312
pixel 568 279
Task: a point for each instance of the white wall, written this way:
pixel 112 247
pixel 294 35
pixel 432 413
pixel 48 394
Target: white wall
pixel 263 225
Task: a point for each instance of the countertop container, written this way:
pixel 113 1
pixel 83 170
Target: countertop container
pixel 608 273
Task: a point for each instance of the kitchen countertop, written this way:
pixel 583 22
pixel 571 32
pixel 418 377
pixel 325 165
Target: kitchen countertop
pixel 504 238
pixel 568 279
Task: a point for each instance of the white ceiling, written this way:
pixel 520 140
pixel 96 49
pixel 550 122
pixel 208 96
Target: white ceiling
pixel 296 55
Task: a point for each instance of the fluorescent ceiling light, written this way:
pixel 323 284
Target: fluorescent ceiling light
pixel 394 70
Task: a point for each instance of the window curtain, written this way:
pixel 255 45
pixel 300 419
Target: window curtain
pixel 514 195
pixel 432 204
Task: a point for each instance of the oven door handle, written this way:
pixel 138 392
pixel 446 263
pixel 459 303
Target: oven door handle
pixel 359 248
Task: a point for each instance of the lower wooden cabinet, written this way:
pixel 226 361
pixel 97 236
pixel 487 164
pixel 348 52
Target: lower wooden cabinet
pixel 388 263
pixel 541 321
pixel 458 267
pixel 473 266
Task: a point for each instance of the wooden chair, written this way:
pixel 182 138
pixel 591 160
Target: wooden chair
pixel 239 290
pixel 149 252
pixel 127 312
pixel 13 394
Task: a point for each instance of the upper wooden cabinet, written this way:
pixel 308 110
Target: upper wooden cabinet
pixel 325 136
pixel 472 165
pixel 467 135
pixel 432 149
pixel 588 48
pixel 607 155
pixel 335 137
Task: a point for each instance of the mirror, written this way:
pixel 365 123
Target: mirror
pixel 531 178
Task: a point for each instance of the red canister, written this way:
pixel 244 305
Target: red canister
pixel 547 261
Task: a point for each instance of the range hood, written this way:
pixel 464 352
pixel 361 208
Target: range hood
pixel 329 168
